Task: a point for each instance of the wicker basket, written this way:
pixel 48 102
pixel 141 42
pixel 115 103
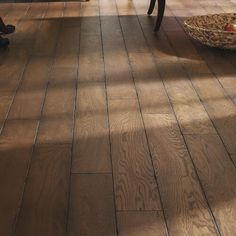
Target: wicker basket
pixel 209 30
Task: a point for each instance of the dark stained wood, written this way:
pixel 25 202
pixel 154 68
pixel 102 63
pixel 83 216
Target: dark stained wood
pixel 225 73
pixel 118 74
pixel 31 24
pixel 189 110
pixel 91 141
pixel 92 209
pixel 219 107
pixel 30 96
pixel 135 186
pixel 46 40
pixel 184 205
pixel 148 82
pixel 234 159
pixel 218 176
pixel 57 121
pixel 146 77
pixel 67 56
pixel 108 52
pixel 68 38
pixel 45 200
pixel 142 223
pixel 16 143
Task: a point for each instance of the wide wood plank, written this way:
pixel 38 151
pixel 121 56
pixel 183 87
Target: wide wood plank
pixel 68 38
pixel 31 24
pixel 189 110
pixel 30 96
pixel 218 176
pixel 91 145
pixel 184 206
pixel 219 107
pixel 47 36
pixel 146 76
pixel 45 200
pixel 118 74
pixel 92 205
pixel 57 120
pixel 16 143
pixel 135 185
pixel 149 223
pixel 234 159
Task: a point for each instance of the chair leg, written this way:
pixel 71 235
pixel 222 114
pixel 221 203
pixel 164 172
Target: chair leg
pixel 160 14
pixel 151 7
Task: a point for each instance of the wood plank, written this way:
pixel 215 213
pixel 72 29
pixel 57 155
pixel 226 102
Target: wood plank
pixel 218 176
pixel 150 89
pixel 118 74
pixel 141 223
pixel 184 206
pixel 68 39
pixel 91 152
pixel 16 143
pixel 71 14
pixel 57 121
pixel 134 181
pixel 92 205
pixel 91 65
pixel 151 92
pixel 219 107
pixel 225 73
pixel 30 96
pixel 46 40
pixel 45 201
pixel 234 159
pixel 189 110
pixel 31 24
pixel 67 56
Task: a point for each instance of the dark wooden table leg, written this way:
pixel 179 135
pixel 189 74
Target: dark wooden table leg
pixel 160 14
pixel 151 7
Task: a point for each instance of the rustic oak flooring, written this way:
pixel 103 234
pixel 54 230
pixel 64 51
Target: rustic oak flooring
pixel 107 128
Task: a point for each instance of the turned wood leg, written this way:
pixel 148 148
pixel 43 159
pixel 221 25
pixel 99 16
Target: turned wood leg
pixel 160 14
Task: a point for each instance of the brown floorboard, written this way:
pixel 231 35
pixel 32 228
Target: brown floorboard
pixel 107 128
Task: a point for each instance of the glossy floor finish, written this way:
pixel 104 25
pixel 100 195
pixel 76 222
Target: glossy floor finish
pixel 107 128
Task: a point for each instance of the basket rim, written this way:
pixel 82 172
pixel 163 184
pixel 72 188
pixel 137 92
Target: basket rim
pixel 209 30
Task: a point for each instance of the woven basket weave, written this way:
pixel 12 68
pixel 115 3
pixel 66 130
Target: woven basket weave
pixel 209 30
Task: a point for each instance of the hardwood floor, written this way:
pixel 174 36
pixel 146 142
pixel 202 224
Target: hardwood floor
pixel 107 128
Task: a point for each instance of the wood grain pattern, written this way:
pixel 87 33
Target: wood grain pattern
pixel 148 82
pixel 29 98
pixel 140 223
pixel 234 159
pixel 218 176
pixel 135 186
pixel 46 40
pixel 118 74
pixel 92 205
pixel 31 25
pixel 184 205
pixel 45 201
pixel 190 112
pixel 67 56
pixel 225 73
pixel 109 50
pixel 16 143
pixel 91 145
pixel 56 125
pixel 146 77
pixel 219 107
